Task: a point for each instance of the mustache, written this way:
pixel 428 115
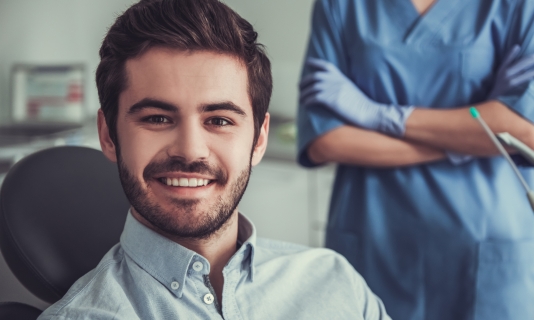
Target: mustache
pixel 178 165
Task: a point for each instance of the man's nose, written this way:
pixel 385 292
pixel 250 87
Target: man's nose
pixel 189 142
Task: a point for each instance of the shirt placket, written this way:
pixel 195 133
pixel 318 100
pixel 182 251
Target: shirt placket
pixel 199 270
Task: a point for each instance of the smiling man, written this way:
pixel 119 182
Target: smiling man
pixel 184 89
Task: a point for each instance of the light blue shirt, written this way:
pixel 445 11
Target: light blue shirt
pixel 433 241
pixel 147 276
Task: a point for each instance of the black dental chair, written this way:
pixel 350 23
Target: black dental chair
pixel 61 210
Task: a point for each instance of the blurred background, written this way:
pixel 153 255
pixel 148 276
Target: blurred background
pixel 50 47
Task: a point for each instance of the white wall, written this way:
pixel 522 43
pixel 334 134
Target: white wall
pixel 53 32
pixel 65 31
pixel 283 26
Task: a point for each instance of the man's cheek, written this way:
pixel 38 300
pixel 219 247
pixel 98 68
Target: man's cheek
pixel 134 161
pixel 143 149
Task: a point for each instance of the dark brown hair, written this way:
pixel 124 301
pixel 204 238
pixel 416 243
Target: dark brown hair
pixel 191 25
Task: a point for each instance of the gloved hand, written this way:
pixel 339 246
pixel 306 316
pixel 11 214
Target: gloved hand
pixel 511 73
pixel 329 87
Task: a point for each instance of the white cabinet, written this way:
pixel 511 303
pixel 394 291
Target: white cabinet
pixel 276 200
pixel 320 184
pixel 287 202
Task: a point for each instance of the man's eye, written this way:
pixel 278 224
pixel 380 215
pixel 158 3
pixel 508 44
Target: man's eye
pixel 219 122
pixel 156 119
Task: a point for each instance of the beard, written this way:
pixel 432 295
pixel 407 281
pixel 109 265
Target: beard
pixel 183 219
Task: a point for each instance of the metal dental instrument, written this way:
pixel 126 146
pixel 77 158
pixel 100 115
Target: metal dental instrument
pixel 476 115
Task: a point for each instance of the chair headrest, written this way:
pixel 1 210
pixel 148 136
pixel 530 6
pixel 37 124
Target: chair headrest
pixel 61 210
pixel 19 311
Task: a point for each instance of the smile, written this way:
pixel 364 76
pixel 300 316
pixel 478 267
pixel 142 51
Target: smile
pixel 184 182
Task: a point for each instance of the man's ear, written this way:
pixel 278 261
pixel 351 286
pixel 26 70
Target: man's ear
pixel 261 144
pixel 107 145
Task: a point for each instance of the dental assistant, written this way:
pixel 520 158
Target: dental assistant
pixel 422 205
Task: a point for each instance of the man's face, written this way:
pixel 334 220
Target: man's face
pixel 185 130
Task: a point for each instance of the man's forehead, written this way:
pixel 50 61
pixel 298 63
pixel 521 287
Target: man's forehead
pixel 188 63
pixel 199 77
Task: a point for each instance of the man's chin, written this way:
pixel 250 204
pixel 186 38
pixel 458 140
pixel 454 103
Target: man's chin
pixel 189 221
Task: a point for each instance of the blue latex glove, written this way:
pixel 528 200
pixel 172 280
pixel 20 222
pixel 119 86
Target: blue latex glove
pixel 511 73
pixel 329 87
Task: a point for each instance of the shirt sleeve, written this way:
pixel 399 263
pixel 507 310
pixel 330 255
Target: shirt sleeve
pixel 326 42
pixel 372 308
pixel 521 31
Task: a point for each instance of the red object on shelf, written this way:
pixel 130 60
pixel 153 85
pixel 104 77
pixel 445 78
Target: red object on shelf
pixel 75 93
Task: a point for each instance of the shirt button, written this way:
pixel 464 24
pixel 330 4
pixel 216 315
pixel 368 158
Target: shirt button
pixel 197 266
pixel 208 298
pixel 175 285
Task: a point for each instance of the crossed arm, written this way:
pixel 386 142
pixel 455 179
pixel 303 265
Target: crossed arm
pixel 428 134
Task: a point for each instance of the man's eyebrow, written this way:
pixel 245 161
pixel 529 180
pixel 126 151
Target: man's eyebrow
pixel 226 105
pixel 152 103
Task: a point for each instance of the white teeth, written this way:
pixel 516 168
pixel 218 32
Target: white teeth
pixel 184 182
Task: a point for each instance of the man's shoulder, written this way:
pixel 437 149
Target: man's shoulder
pixel 97 294
pixel 322 271
pixel 303 256
pixel 277 246
pixel 283 247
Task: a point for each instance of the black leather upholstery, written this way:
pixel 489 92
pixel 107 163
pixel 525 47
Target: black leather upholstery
pixel 18 311
pixel 61 210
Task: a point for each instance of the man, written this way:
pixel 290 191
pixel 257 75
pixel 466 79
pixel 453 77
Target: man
pixel 184 89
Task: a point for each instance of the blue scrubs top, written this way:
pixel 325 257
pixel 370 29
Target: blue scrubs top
pixel 434 241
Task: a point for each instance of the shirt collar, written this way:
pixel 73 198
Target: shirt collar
pixel 246 236
pixel 168 262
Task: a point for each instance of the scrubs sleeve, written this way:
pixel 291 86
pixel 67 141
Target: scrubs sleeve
pixel 326 42
pixel 521 98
